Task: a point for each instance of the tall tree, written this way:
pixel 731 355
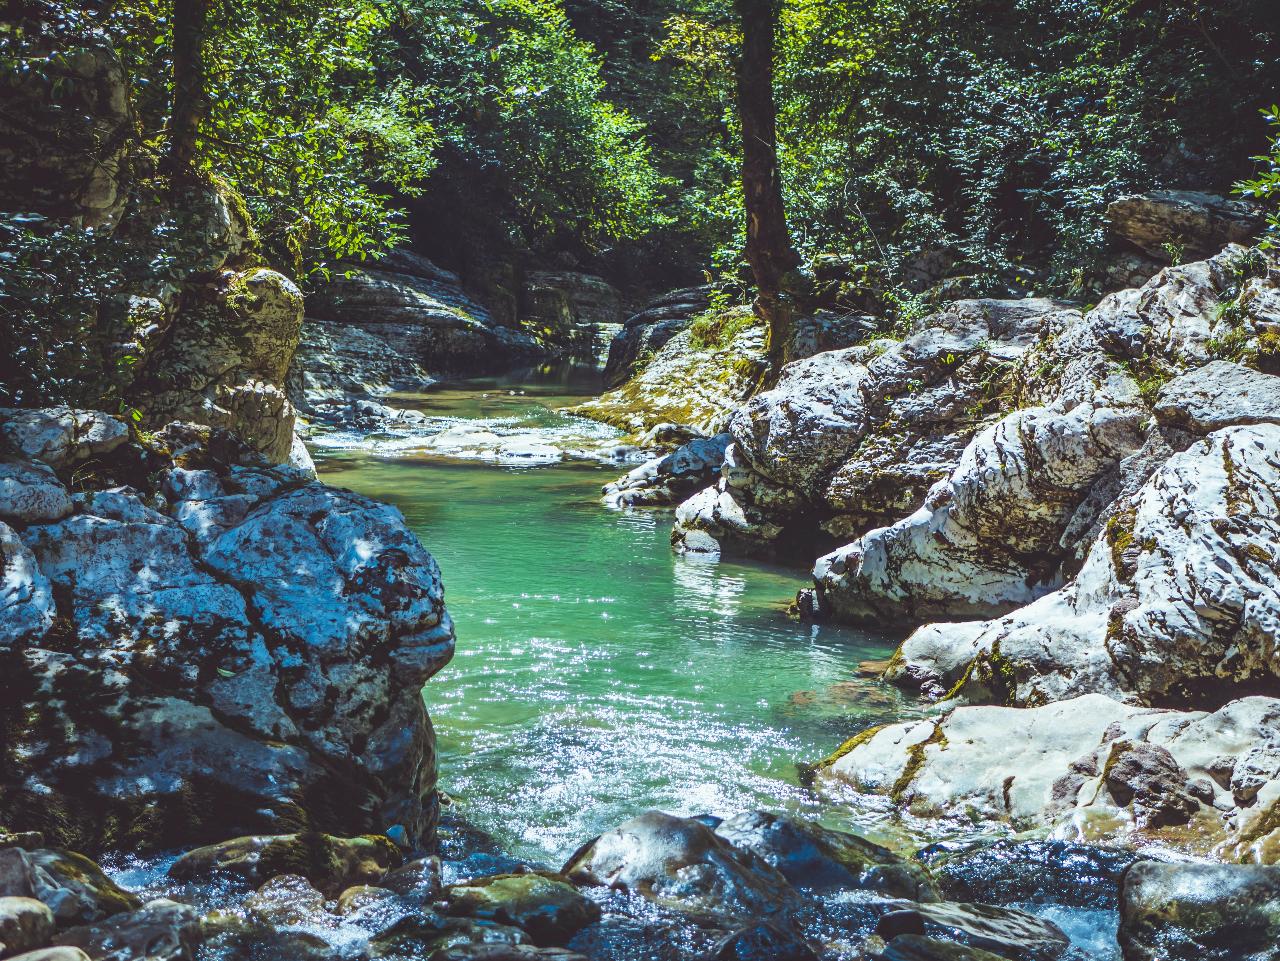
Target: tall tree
pixel 190 102
pixel 769 250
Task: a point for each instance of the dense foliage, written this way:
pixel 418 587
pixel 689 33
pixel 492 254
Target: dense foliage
pixel 919 139
pixel 1266 185
pixel 985 137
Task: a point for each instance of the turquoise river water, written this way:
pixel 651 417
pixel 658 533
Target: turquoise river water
pixel 598 674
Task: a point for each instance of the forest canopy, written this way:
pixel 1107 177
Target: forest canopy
pixel 979 140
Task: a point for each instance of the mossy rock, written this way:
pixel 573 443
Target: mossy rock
pixel 546 906
pixel 83 892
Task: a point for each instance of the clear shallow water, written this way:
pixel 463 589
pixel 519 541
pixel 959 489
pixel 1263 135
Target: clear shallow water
pixel 598 674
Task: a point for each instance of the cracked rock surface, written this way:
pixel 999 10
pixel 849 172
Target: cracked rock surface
pixel 196 643
pixel 852 438
pixel 1092 767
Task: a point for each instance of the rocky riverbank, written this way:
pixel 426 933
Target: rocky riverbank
pixel 1078 509
pixel 756 886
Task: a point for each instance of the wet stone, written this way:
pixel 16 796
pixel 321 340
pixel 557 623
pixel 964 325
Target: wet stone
pixel 763 941
pixel 1008 872
pixel 550 910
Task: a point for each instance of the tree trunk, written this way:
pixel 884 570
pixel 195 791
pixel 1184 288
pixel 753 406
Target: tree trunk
pixel 189 100
pixel 769 250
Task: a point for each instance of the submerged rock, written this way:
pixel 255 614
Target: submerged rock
pixel 820 859
pixel 504 952
pixel 1042 872
pixel 681 863
pixel 72 886
pixel 1200 912
pixel 1008 932
pixel 549 909
pixel 916 947
pixel 763 941
pixel 286 899
pixel 162 930
pixel 328 862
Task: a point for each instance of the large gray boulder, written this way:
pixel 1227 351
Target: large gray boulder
pixel 850 439
pixel 670 478
pixel 1031 493
pixel 234 648
pixel 225 359
pixel 1179 594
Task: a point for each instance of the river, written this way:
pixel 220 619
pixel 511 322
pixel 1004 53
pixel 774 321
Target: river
pixel 597 673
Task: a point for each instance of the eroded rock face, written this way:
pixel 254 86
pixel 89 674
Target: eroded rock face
pixel 852 438
pixel 1031 493
pixel 1092 766
pixel 699 388
pixel 1200 912
pixel 216 648
pixel 1166 221
pixel 572 310
pixel 645 333
pixel 397 325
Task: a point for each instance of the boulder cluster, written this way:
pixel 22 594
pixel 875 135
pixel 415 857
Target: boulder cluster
pixel 758 886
